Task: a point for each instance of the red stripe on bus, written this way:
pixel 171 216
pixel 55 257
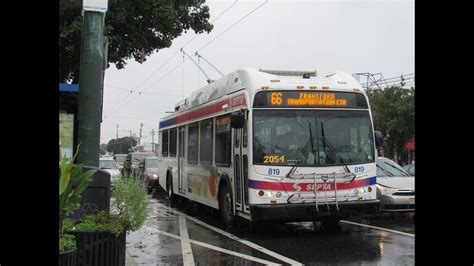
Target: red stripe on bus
pixel 309 186
pixel 236 101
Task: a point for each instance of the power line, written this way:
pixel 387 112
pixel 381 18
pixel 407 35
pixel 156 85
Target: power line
pixel 238 21
pixel 124 103
pixel 142 92
pixel 218 16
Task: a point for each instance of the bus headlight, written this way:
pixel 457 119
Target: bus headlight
pixel 386 190
pixel 268 194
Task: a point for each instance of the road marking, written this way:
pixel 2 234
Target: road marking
pixel 188 258
pixel 199 243
pixel 379 228
pixel 231 236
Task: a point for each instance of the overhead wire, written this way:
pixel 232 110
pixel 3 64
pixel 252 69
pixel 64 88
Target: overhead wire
pixel 162 77
pixel 142 92
pixel 238 21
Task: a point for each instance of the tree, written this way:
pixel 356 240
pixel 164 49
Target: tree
pixel 393 111
pixel 121 145
pixel 134 29
pixel 103 148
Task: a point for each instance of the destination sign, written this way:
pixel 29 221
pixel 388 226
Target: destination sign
pixel 309 99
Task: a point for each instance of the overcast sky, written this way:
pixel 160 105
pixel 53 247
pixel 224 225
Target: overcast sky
pixel 351 36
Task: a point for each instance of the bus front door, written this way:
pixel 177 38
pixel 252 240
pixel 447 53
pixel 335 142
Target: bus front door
pixel 241 169
pixel 181 188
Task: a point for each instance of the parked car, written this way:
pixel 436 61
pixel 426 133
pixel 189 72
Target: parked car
pixel 120 159
pixel 395 187
pixel 410 168
pixel 130 166
pixel 109 165
pixel 148 171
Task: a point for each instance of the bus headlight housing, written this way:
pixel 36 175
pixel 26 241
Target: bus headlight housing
pixel 386 190
pixel 268 194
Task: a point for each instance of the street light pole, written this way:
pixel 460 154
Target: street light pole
pixel 91 80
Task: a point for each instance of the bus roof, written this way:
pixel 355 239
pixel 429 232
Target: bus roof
pixel 252 80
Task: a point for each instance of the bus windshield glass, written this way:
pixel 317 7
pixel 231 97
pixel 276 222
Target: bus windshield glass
pixel 283 137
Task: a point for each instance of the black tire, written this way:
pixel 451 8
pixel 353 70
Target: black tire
pixel 169 188
pixel 226 207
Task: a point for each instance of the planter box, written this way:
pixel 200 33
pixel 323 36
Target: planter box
pixel 68 258
pixel 99 248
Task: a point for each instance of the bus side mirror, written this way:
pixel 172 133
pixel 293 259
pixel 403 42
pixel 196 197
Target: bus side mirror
pixel 378 138
pixel 237 119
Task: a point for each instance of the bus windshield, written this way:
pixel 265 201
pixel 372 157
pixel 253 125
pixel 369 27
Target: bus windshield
pixel 283 136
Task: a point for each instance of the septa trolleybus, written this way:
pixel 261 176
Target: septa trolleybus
pixel 271 145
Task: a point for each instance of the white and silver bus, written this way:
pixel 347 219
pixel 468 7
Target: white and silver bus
pixel 271 145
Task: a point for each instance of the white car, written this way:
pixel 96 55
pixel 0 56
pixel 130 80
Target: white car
pixel 395 187
pixel 109 165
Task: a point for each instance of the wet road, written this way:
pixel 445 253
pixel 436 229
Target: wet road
pixel 189 233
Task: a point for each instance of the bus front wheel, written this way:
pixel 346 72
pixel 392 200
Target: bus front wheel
pixel 225 207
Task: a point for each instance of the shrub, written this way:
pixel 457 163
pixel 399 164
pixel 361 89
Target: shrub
pixel 129 210
pixel 66 243
pixel 131 202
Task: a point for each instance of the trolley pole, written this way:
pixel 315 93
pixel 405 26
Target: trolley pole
pixel 91 78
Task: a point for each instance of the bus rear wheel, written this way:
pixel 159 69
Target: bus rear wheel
pixel 225 207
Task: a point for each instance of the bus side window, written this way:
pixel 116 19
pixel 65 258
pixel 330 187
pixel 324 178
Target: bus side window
pixel 173 140
pixel 164 143
pixel 205 142
pixel 223 140
pixel 193 143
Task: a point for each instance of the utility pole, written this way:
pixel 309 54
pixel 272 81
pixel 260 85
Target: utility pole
pixel 140 137
pixel 117 133
pixel 153 140
pixel 91 80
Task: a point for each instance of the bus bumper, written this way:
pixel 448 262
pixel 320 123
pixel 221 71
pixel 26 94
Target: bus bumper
pixel 299 212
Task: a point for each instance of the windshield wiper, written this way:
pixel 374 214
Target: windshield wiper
pixel 333 153
pixel 300 155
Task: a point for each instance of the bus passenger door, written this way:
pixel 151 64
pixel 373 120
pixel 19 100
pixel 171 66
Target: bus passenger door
pixel 240 169
pixel 181 160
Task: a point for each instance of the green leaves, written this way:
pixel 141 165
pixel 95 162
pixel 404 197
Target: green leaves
pixel 130 210
pixel 121 145
pixel 131 201
pixel 393 111
pixel 69 197
pixel 135 29
pixel 67 242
